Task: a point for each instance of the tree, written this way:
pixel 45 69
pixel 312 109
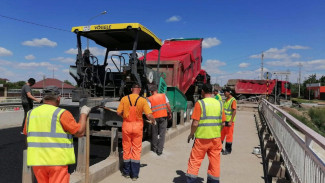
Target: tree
pixel 16 85
pixel 67 82
pixel 311 79
pixel 322 80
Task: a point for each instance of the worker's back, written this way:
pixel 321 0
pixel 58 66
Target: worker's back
pixel 140 103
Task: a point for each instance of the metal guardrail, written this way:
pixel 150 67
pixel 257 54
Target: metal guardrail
pixel 302 161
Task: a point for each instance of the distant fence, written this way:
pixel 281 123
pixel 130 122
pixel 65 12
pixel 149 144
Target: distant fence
pixel 294 140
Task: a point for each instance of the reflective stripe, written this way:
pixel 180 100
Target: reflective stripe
pixel 158 106
pixel 49 134
pixel 54 118
pixel 53 128
pixel 135 161
pixel 126 160
pixel 165 108
pixel 220 103
pixel 204 117
pixel 210 124
pixel 211 117
pixel 190 175
pixel 213 177
pixel 29 112
pixel 47 145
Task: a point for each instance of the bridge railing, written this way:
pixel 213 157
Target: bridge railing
pixel 294 140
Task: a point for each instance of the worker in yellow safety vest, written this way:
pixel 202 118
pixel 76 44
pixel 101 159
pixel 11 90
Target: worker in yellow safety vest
pixel 207 118
pixel 230 107
pixel 159 104
pixel 49 131
pixel 217 95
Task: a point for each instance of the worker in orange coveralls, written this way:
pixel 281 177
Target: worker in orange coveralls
pixel 230 106
pixel 207 118
pixel 131 108
pixel 49 131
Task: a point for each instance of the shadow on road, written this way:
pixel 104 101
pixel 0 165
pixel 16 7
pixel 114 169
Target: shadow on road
pixel 182 177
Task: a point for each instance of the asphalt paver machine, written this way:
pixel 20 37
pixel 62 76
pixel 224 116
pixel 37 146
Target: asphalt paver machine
pixel 104 83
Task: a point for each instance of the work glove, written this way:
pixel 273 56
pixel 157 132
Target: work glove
pixel 85 110
pixel 189 138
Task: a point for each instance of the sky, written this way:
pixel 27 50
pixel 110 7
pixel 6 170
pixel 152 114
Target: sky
pixel 235 33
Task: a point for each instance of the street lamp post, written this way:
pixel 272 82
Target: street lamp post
pixel 102 13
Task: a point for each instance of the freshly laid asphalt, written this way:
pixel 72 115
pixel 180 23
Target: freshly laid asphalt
pixel 12 144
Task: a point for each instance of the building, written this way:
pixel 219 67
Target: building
pixel 66 89
pixel 3 87
pixel 317 90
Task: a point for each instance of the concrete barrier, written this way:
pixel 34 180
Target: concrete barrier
pixel 112 164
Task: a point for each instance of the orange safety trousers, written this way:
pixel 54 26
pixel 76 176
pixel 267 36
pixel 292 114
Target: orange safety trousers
pixel 132 133
pixel 51 174
pixel 212 147
pixel 228 133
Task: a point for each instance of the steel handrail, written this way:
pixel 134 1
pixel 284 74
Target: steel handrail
pixel 302 162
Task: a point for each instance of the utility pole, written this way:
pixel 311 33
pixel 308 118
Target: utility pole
pixel 262 65
pixel 286 86
pixel 299 79
pixel 43 82
pixel 53 72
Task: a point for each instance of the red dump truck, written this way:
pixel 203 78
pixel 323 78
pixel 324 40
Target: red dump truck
pixel 244 88
pixel 180 66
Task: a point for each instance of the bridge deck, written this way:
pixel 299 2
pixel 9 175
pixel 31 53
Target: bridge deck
pixel 171 166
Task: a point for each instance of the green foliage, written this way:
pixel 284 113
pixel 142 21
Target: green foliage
pixel 317 116
pixel 299 100
pixel 16 85
pixel 68 82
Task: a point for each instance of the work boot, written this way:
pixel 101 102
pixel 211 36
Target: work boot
pixel 126 175
pixel 226 152
pixel 134 178
pixel 228 148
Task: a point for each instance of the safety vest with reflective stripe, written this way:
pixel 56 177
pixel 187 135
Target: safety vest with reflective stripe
pixel 211 119
pixel 47 142
pixel 158 105
pixel 228 109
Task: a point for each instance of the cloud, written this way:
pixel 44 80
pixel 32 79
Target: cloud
pixel 30 65
pixel 5 73
pixel 65 71
pixel 311 65
pixel 174 18
pixel 243 65
pixel 297 47
pixel 30 57
pixel 213 66
pixel 275 53
pixel 5 62
pixel 5 52
pixel 64 59
pixel 210 42
pixel 40 43
pixel 72 51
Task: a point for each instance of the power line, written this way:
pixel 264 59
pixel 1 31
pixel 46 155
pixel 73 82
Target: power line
pixel 32 23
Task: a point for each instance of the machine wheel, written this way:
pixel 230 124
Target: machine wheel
pixel 242 97
pixel 271 99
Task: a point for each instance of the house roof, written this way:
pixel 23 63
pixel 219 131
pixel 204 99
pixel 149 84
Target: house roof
pixel 51 81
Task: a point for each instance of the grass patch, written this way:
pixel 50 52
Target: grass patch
pixel 317 120
pixel 299 100
pixel 317 116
